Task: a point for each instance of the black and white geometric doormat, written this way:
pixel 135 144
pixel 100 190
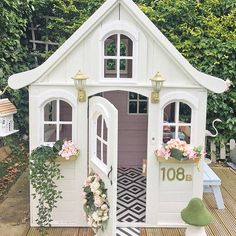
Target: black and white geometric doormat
pixel 127 232
pixel 131 195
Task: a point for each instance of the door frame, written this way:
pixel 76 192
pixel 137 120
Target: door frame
pixel 154 118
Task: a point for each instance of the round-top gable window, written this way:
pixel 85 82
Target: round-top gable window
pixel 118 57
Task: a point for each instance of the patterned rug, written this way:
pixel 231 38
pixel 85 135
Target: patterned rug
pixel 131 195
pixel 127 232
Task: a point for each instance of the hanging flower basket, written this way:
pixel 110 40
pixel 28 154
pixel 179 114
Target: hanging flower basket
pixel 177 151
pixel 66 150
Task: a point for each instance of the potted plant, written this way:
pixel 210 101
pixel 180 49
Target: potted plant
pixel 177 150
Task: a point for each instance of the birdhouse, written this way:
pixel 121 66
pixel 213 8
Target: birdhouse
pixel 7 109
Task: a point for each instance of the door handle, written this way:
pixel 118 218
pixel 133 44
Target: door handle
pixel 109 173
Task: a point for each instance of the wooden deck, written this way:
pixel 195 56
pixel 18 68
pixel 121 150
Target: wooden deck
pixel 224 221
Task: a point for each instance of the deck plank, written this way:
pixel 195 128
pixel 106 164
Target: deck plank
pixel 63 232
pixel 171 232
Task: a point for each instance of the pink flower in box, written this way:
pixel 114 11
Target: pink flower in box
pixel 68 149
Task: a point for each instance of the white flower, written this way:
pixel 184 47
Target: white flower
pixel 104 207
pixel 90 221
pixel 90 178
pixel 228 84
pixel 95 216
pixel 105 218
pixel 97 192
pixel 98 201
pixel 94 186
pixel 94 225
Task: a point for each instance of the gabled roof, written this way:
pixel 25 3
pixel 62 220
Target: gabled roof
pixel 23 79
pixel 6 107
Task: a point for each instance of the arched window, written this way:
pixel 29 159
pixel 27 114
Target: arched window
pixel 118 57
pixel 101 137
pixel 177 118
pixel 57 122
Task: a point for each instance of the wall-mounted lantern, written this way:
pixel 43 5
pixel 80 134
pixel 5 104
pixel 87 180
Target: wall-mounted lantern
pixel 80 82
pixel 157 83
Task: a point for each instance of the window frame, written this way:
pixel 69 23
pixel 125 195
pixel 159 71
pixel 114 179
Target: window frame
pixel 129 30
pixel 57 122
pixel 177 124
pixel 118 59
pixel 138 100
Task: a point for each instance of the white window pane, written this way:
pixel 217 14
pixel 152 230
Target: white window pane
pixel 65 132
pixel 105 154
pixel 133 95
pixel 50 111
pixel 50 131
pixel 169 113
pixel 167 135
pixel 142 107
pixel 126 46
pixel 110 68
pixel 98 154
pixel 110 47
pixel 99 126
pixel 104 131
pixel 65 111
pixel 126 68
pixel 184 113
pixel 133 107
pixel 184 133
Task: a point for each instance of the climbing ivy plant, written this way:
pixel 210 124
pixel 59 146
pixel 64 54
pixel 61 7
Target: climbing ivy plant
pixel 44 171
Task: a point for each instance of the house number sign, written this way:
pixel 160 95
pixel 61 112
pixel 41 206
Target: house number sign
pixel 171 174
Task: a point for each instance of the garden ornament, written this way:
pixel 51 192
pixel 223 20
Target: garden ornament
pixel 208 133
pixel 196 216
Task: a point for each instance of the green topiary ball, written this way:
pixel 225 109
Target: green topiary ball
pixel 196 213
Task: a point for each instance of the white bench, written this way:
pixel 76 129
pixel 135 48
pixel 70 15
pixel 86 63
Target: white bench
pixel 211 183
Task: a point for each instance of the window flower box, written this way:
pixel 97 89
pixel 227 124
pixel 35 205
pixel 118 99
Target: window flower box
pixel 177 151
pixel 66 151
pixel 71 158
pixel 174 160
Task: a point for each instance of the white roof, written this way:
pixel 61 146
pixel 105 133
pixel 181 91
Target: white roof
pixel 23 79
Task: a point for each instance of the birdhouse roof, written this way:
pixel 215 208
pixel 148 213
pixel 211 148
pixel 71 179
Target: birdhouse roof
pixel 6 107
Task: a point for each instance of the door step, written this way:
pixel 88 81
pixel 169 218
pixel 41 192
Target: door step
pixel 127 231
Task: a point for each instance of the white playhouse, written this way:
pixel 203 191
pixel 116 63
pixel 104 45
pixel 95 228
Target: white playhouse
pixel 96 90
